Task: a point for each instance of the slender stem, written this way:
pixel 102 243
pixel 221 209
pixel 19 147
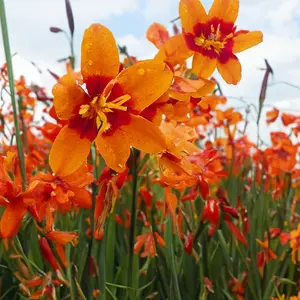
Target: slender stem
pixel 70 275
pixel 24 133
pixel 5 39
pixel 72 58
pixel 133 216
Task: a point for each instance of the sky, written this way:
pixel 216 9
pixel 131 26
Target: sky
pixel 279 20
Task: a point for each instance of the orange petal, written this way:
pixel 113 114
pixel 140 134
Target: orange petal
pixel 82 197
pixel 175 51
pixel 246 40
pixel 139 133
pixel 81 177
pixel 191 13
pixel 157 34
pixel 68 152
pixel 99 53
pixel 203 66
pixel 62 237
pixel 145 82
pixel 272 115
pixel 226 10
pixel 231 71
pixel 182 88
pixel 68 96
pixel 144 135
pixel 11 220
pixel 114 152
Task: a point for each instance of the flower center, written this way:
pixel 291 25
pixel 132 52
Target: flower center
pixel 99 107
pixel 214 41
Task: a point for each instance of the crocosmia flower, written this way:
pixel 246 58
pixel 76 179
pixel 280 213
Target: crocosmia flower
pixel 104 106
pixel 214 39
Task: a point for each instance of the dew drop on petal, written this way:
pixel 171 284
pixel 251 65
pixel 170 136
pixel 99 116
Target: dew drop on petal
pixel 141 71
pixel 90 62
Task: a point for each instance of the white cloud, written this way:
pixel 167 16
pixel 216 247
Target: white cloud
pixel 161 10
pixel 141 48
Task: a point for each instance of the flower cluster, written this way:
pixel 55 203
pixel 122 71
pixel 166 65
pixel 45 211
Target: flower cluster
pixel 137 169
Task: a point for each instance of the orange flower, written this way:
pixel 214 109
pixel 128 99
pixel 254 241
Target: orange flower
pixel 106 198
pixel 264 256
pixel 295 244
pixel 213 38
pixel 157 34
pixel 288 119
pixel 177 103
pixel 282 156
pixel 237 286
pixel 48 193
pixel 62 237
pixel 109 113
pixel 147 240
pixel 11 197
pixel 272 115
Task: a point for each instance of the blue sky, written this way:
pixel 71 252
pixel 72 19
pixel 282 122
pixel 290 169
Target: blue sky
pixel 29 22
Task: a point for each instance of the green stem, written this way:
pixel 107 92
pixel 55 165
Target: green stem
pixel 70 275
pixel 21 110
pixel 72 58
pixel 12 90
pixel 133 216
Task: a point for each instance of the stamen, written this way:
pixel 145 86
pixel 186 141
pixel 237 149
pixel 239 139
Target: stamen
pixel 99 107
pixel 84 109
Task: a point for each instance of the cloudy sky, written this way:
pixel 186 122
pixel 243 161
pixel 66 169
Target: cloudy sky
pixel 29 22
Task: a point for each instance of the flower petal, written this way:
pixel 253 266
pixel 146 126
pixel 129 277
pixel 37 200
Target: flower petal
pixel 226 10
pixel 246 40
pixel 144 135
pixel 183 88
pixel 157 34
pixel 203 66
pixel 82 197
pixel 191 13
pixel 175 51
pixel 231 71
pixel 138 133
pixel 114 152
pixel 99 54
pixel 11 220
pixel 68 152
pixel 68 96
pixel 145 82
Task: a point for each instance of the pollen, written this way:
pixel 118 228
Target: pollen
pixel 214 41
pixel 99 107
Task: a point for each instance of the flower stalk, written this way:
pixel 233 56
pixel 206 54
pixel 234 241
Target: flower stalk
pixel 8 56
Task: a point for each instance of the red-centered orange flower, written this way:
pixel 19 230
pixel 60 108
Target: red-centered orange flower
pixel 109 113
pixel 272 115
pixel 214 39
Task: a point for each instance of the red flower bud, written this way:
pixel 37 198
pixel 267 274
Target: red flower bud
pixel 48 254
pixel 188 243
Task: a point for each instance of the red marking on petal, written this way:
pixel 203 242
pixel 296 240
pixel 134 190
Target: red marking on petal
pixel 85 127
